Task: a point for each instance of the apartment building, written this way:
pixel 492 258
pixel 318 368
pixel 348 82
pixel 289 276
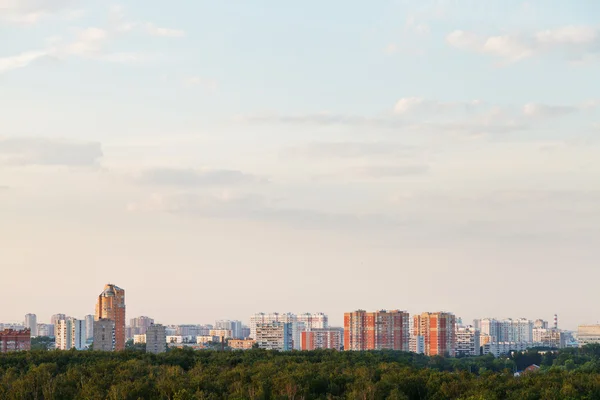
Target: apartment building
pixel 438 329
pixel 156 339
pixel 376 330
pixel 322 338
pixel 111 306
pixel 467 341
pixel 274 336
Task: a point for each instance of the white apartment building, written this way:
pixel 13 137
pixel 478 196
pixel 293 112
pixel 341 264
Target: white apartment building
pixel 417 344
pixel 296 327
pixel 467 341
pixel 314 320
pixel 234 326
pixel 274 336
pixel 70 334
pixel 31 324
pixel 507 330
pixel 502 348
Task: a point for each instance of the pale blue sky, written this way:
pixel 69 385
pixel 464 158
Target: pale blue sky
pixel 283 154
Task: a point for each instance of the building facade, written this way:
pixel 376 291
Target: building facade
pixel 71 334
pixel 31 324
pixel 234 326
pixel 240 344
pixel 89 328
pixel 376 330
pixel 156 339
pixel 417 344
pixel 313 321
pixel 288 318
pixel 588 334
pixel 12 340
pixel 322 338
pixel 467 341
pixel 104 335
pixel 274 336
pixel 111 305
pixel 139 325
pixel 45 330
pixel 438 330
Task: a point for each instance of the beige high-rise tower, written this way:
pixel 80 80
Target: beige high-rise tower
pixel 111 305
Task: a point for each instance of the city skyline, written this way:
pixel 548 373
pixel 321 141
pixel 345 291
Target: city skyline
pixel 334 156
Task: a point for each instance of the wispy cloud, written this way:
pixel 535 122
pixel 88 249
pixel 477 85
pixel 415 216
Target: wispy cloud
pixel 32 11
pixel 575 42
pixel 21 60
pixel 194 177
pixel 45 151
pixel 154 30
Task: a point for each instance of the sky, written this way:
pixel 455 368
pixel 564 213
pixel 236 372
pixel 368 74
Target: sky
pixel 218 159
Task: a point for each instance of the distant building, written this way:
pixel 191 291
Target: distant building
pixel 139 325
pixel 222 333
pixel 141 339
pixel 12 340
pixel 31 324
pixel 57 317
pixel 502 348
pixel 314 320
pixel 274 336
pixel 322 338
pixel 45 330
pixel 588 334
pixel 111 305
pixel 245 331
pixel 467 341
pixel 417 344
pixel 191 330
pixel 540 324
pixel 156 339
pixel 549 337
pixel 438 329
pixel 376 330
pixel 240 344
pixel 89 328
pixel 207 339
pixel 508 330
pixel 70 334
pixel 104 335
pixel 296 327
pixel 234 326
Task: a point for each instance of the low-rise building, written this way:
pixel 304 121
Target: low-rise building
pixel 13 340
pixel 240 344
pixel 502 348
pixel 588 334
pixel 208 339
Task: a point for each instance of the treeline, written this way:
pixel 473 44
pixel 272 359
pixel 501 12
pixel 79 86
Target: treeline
pixel 259 374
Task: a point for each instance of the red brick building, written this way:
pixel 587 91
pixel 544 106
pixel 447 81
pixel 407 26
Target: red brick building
pixel 376 330
pixel 438 331
pixel 11 340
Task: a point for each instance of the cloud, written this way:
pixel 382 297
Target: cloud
pixel 255 207
pixel 194 177
pixel 31 11
pixel 153 30
pixel 392 171
pixel 20 60
pixel 44 151
pixel 413 105
pixel 323 118
pixel 546 111
pixel 574 41
pixel 351 150
pixel 91 42
pixel 208 84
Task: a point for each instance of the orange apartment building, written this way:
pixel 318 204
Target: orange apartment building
pixel 326 338
pixel 438 331
pixel 376 330
pixel 111 305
